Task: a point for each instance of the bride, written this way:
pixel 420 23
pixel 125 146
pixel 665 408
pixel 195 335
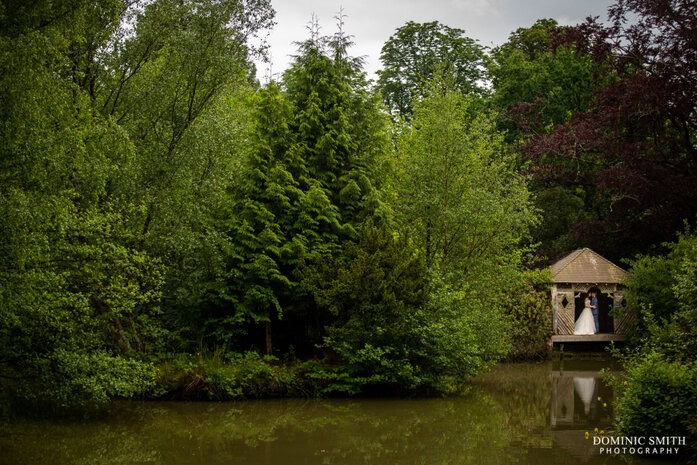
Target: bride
pixel 585 324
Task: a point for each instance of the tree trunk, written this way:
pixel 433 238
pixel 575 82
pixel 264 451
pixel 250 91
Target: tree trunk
pixel 267 331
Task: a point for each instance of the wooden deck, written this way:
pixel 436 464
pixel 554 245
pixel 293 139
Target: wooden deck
pixel 574 374
pixel 601 337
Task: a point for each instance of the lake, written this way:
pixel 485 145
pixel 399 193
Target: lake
pixel 535 414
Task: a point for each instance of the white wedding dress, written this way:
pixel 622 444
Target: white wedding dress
pixel 585 324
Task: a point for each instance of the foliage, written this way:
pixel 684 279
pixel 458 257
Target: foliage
pixel 76 379
pixel 457 188
pixel 94 217
pixel 75 296
pixel 219 377
pixel 416 52
pixel 156 201
pixel 374 299
pixel 465 332
pixel 458 194
pixel 313 180
pixel 528 307
pixel 632 150
pixel 392 333
pixel 176 79
pixel 662 290
pixel 658 397
pixel 539 82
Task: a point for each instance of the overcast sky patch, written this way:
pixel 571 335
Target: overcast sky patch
pixel 373 22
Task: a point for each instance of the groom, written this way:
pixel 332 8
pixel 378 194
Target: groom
pixel 595 310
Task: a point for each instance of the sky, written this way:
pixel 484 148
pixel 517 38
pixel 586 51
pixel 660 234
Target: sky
pixel 372 22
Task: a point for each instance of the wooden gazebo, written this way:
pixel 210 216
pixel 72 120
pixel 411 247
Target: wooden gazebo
pixel 573 276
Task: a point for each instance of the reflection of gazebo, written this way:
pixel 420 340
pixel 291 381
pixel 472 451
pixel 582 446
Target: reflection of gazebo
pixel 581 401
pixel 566 386
pixel 572 277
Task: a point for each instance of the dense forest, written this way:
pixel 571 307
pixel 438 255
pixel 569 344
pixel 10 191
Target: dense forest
pixel 173 228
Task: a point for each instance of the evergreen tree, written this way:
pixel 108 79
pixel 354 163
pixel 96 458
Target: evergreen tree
pixel 312 182
pixel 341 132
pixel 264 219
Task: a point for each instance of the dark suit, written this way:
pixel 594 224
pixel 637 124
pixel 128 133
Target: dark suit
pixel 595 311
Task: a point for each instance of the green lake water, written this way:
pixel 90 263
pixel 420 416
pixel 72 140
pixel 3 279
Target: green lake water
pixel 534 414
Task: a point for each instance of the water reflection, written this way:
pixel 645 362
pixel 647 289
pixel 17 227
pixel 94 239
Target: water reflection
pixel 521 413
pixel 581 402
pixel 585 388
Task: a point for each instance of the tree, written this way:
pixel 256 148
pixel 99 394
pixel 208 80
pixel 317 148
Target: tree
pixel 276 220
pixel 341 131
pixel 416 51
pixel 632 151
pixel 465 207
pixel 397 330
pixel 313 180
pixel 457 186
pixel 177 78
pixel 540 81
pixel 378 290
pixel 77 299
pixel 105 166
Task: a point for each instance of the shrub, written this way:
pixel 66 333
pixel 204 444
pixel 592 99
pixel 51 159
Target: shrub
pixel 528 307
pixel 72 381
pixel 399 331
pixel 657 397
pixel 662 290
pixel 219 377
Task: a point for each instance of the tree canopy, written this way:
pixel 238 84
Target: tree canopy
pixel 416 52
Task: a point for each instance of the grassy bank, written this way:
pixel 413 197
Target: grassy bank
pixel 220 376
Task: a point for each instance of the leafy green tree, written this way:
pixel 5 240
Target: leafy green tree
pixel 467 210
pixel 528 308
pixel 538 80
pixel 658 397
pixel 415 52
pixel 176 78
pixel 117 143
pixel 398 330
pixel 342 134
pixel 77 300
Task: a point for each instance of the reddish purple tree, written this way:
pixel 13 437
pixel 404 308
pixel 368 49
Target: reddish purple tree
pixel 633 151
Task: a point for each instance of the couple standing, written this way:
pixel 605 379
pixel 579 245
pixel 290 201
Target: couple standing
pixel 587 322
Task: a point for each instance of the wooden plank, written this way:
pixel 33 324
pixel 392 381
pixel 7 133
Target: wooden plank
pixel 601 337
pixel 571 374
pixel 564 316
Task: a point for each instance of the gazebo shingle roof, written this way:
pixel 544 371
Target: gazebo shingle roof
pixel 586 266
